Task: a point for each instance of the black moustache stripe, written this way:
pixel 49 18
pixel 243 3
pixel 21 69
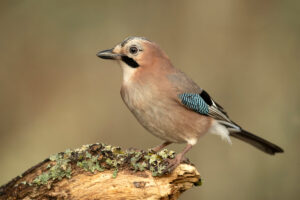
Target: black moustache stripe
pixel 130 61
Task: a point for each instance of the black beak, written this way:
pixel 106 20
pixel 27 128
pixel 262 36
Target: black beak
pixel 109 54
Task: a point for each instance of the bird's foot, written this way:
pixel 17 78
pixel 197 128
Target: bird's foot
pixel 155 149
pixel 173 163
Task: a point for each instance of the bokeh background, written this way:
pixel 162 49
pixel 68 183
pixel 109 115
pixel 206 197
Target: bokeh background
pixel 56 94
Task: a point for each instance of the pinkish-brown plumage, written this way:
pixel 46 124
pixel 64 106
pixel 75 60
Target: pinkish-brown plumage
pixel 156 106
pixel 151 90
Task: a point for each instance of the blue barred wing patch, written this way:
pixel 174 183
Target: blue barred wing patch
pixel 194 102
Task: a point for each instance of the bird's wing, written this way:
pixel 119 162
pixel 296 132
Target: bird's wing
pixel 195 98
pixel 203 104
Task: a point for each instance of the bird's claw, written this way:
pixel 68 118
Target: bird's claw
pixel 173 163
pixel 154 150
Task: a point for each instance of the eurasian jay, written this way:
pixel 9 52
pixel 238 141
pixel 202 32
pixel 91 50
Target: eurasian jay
pixel 168 103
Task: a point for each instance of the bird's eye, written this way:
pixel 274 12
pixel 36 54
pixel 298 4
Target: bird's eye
pixel 133 50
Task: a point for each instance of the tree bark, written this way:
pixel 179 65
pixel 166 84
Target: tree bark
pixel 101 171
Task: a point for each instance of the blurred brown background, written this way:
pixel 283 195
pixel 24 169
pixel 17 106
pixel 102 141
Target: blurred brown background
pixel 56 94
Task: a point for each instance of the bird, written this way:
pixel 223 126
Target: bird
pixel 169 104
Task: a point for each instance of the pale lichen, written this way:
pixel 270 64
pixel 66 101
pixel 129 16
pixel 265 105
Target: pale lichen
pixel 98 157
pixel 58 169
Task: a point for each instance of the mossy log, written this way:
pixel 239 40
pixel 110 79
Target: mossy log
pixel 102 171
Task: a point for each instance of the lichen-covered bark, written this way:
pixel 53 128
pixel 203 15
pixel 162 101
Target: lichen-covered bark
pixel 101 171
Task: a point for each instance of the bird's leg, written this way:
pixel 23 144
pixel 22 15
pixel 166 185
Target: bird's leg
pixel 160 147
pixel 178 159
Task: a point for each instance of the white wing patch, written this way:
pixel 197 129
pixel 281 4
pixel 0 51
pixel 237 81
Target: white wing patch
pixel 219 129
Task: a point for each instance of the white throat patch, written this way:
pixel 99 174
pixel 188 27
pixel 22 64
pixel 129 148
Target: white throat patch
pixel 127 72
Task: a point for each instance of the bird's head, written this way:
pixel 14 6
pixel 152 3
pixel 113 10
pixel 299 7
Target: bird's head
pixel 136 54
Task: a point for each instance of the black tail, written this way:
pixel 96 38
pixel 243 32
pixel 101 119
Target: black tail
pixel 257 142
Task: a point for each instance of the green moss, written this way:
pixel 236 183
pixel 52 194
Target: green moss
pixel 199 183
pixel 115 173
pixel 99 157
pixel 59 169
pixel 90 163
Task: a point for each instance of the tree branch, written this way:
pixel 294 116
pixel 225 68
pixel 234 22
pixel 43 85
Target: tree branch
pixel 101 171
